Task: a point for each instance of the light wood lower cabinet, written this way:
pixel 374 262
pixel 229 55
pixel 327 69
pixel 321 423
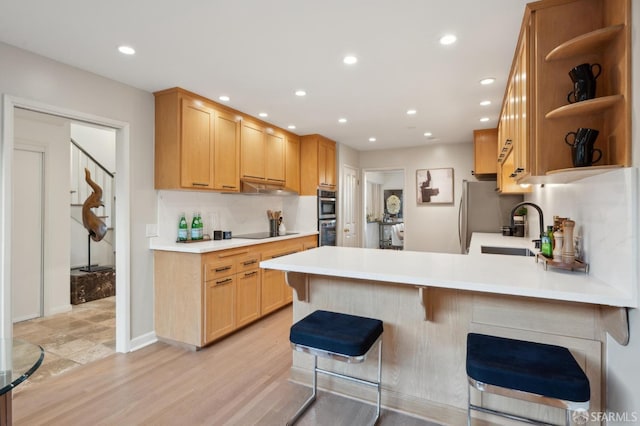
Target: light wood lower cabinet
pixel 220 306
pixel 200 298
pixel 275 291
pixel 247 296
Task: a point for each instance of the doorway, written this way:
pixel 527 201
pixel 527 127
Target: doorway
pixel 378 219
pixel 122 259
pixel 43 281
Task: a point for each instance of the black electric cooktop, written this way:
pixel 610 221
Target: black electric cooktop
pixel 260 235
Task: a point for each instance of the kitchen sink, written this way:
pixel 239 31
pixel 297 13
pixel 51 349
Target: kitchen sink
pixel 512 251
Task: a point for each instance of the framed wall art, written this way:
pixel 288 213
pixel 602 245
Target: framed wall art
pixel 434 186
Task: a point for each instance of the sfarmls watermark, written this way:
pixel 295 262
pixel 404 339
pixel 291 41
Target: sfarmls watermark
pixel 583 417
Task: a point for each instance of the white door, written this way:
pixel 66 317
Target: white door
pixel 50 135
pixel 27 234
pixel 350 197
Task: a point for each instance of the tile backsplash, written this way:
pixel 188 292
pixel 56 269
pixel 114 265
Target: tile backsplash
pixel 240 214
pixel 604 208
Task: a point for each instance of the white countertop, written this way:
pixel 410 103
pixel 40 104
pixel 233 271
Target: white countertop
pixel 490 273
pixel 215 245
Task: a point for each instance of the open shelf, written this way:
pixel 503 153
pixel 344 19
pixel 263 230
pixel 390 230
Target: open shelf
pixel 585 43
pixel 590 106
pixel 576 173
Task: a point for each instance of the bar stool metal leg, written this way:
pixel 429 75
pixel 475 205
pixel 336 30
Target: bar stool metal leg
pixel 312 398
pixel 377 384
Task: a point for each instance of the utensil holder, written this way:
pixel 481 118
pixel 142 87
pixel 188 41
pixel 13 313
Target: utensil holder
pixel 273 227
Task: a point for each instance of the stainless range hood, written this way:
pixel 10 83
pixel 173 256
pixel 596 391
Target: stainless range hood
pixel 264 188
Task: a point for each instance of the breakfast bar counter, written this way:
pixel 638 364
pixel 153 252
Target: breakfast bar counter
pixel 430 301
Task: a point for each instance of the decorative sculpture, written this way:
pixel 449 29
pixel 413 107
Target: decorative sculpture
pixel 96 226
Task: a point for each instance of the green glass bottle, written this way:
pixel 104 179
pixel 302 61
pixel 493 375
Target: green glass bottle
pixel 194 227
pixel 547 243
pixel 183 228
pixel 200 227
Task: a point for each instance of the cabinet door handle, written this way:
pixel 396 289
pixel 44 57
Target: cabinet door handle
pixel 284 254
pixel 235 253
pixel 199 184
pixel 225 268
pixel 225 281
pixel 249 262
pixel 229 186
pixel 248 274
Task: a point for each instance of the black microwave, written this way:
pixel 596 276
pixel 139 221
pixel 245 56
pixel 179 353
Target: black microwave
pixel 326 204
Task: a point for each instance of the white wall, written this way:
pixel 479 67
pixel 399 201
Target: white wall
pixel 99 142
pixel 623 375
pixel 427 227
pixel 42 80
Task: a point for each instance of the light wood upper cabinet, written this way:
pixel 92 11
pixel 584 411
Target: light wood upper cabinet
pixel 485 144
pixel 252 153
pixel 196 145
pixel 292 162
pixel 318 164
pixel 196 150
pixel 200 144
pixel 275 159
pixel 226 169
pixel 591 31
pixel 262 154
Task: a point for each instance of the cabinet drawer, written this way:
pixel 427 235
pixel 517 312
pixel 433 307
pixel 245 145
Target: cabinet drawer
pixel 215 270
pixel 247 262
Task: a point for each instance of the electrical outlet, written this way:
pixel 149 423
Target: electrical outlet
pixel 152 230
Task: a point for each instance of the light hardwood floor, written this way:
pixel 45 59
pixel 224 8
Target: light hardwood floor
pixel 241 380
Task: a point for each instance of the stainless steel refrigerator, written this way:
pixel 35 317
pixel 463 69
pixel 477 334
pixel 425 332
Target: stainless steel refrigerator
pixel 483 209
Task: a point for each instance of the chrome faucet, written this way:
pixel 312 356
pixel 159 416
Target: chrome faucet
pixel 540 217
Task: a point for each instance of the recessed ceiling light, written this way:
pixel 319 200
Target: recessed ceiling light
pixel 126 50
pixel 224 98
pixel 486 81
pixel 263 114
pixel 342 120
pixel 484 119
pixel 427 134
pixel 485 103
pixel 411 112
pixel 300 93
pixel 291 127
pixel 448 39
pixel 350 60
pixel 372 139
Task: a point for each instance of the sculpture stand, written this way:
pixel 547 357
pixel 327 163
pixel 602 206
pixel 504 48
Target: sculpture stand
pixel 95 268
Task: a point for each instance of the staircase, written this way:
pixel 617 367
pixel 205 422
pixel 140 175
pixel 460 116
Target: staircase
pixel 102 253
pixel 80 190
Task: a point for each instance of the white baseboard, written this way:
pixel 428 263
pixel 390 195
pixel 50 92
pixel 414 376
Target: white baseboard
pixel 142 341
pixel 58 309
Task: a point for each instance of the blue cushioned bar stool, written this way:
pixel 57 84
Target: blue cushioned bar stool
pixel 535 372
pixel 342 337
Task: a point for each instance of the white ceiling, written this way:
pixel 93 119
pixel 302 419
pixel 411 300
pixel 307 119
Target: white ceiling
pixel 260 52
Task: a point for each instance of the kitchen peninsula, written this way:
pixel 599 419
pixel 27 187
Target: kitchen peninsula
pixel 430 301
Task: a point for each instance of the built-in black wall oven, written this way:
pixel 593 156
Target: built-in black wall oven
pixel 326 204
pixel 326 218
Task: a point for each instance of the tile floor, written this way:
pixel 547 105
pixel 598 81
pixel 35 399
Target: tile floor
pixel 71 339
